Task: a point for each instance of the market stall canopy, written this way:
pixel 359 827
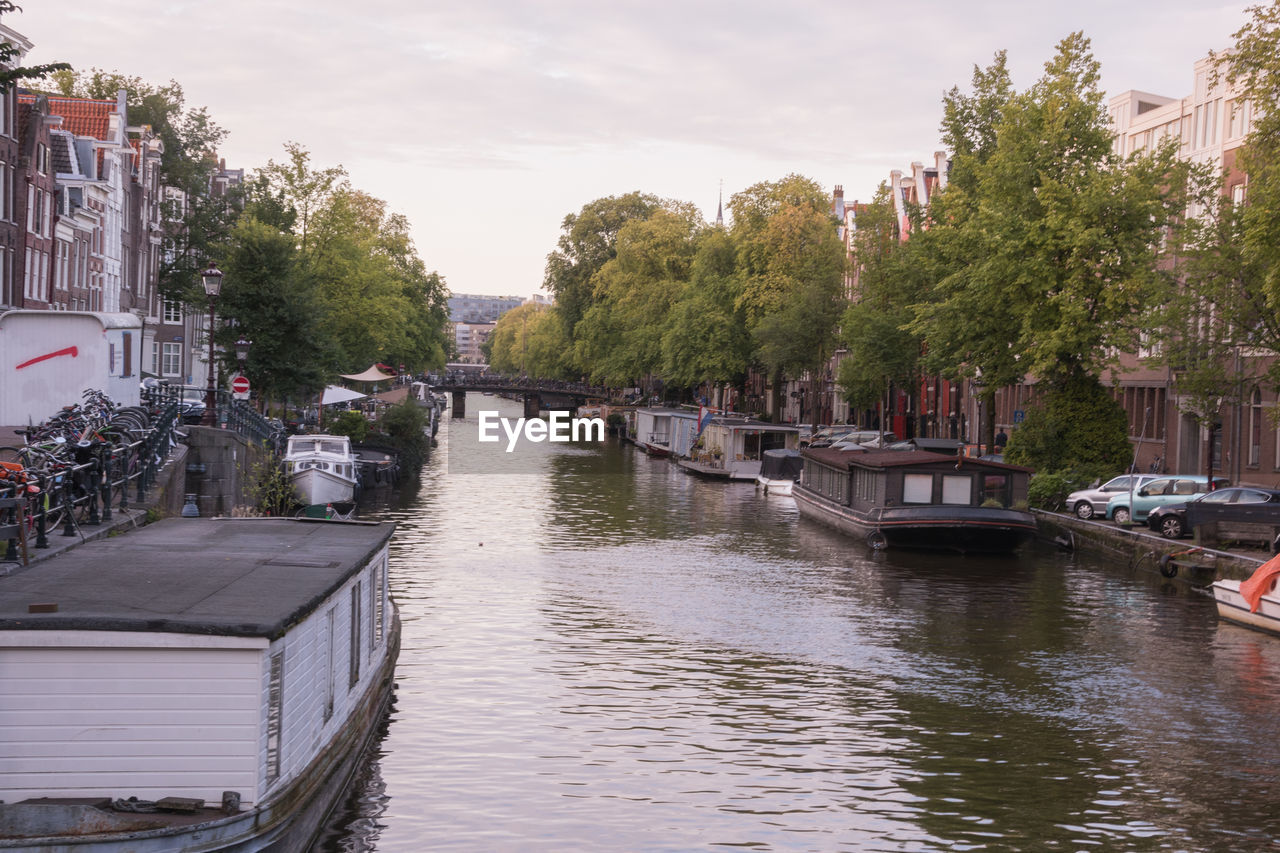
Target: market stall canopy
pixel 373 374
pixel 336 394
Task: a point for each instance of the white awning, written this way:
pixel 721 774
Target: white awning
pixel 373 374
pixel 337 394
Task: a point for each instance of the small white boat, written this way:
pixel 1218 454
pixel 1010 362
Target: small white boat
pixel 1254 602
pixel 323 468
pixel 779 471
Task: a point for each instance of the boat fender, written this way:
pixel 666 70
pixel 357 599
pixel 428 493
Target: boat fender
pixel 876 540
pixel 1168 567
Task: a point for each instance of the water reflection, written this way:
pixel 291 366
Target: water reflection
pixel 611 654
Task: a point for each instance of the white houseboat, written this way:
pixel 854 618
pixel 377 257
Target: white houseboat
pixel 653 431
pixel 323 468
pixel 198 684
pixel 733 447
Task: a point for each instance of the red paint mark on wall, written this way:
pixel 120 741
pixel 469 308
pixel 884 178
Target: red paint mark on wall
pixel 71 351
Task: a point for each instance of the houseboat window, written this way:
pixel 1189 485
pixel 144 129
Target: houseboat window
pixel 380 596
pixel 997 488
pixel 331 446
pixel 864 484
pixel 330 646
pixel 275 715
pixel 957 489
pixel 355 636
pixel 374 597
pixel 773 441
pixel 917 488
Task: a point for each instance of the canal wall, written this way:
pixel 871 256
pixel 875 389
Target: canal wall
pixel 220 469
pixel 1138 547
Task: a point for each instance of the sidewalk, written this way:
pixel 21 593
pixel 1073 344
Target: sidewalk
pixel 160 501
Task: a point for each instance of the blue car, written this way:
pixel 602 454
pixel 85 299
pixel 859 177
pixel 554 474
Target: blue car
pixel 1132 507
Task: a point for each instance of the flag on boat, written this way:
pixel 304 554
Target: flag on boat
pixel 704 417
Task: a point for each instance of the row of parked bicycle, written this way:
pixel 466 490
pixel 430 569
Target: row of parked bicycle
pixel 71 469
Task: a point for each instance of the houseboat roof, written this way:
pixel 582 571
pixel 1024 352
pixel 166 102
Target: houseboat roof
pixel 870 458
pixel 751 423
pixel 244 577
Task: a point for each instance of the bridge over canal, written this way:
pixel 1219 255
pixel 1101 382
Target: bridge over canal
pixel 538 394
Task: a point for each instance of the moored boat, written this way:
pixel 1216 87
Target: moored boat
pixel 732 447
pixel 1254 602
pixel 197 684
pixel 779 470
pixel 917 499
pixel 322 468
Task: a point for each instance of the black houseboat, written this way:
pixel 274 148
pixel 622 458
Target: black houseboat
pixel 917 499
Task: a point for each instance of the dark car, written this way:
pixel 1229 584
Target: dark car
pixel 1170 520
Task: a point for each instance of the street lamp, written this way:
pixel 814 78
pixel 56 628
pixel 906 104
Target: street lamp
pixel 242 351
pixel 212 280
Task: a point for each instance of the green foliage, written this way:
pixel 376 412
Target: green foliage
pixel 620 333
pixel 1048 490
pixel 1044 249
pixel 277 308
pixel 403 428
pixel 531 340
pixel 272 491
pixel 587 242
pixel 352 424
pixel 881 349
pixel 1076 426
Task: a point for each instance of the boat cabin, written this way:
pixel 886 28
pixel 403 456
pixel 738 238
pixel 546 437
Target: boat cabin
pixel 917 498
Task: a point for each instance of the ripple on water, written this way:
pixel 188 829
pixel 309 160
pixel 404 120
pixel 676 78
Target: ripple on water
pixel 615 655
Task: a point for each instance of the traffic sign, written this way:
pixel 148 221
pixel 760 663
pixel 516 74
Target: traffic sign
pixel 240 387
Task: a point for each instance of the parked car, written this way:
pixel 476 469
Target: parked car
pixel 191 403
pixel 1086 503
pixel 1170 520
pixel 1161 491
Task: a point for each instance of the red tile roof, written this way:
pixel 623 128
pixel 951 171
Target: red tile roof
pixel 81 116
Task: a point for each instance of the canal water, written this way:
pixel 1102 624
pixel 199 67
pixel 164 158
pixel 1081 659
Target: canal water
pixel 601 652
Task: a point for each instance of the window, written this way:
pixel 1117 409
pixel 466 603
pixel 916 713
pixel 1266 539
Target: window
pixel 171 359
pixel 957 489
pixel 354 671
pixel 918 489
pixel 172 311
pixel 997 487
pixel 275 716
pixel 331 639
pixel 380 596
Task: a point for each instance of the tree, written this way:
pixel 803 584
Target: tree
pixel 1047 251
pixel 880 348
pixel 587 243
pixel 270 301
pixel 792 263
pixel 10 54
pixel 530 340
pixel 706 338
pixel 620 335
pixel 1254 67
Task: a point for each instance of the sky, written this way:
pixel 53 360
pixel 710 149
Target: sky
pixel 487 122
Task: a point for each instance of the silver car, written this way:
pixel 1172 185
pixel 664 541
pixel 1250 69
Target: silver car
pixel 1088 503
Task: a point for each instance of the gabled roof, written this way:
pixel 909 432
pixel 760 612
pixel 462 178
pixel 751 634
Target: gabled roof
pixel 81 116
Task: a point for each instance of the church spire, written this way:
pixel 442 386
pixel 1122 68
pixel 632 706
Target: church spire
pixel 720 205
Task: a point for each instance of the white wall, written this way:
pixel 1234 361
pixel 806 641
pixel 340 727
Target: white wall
pixel 49 358
pixel 109 714
pixel 309 665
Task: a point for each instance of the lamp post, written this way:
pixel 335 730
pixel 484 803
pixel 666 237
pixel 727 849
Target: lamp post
pixel 212 279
